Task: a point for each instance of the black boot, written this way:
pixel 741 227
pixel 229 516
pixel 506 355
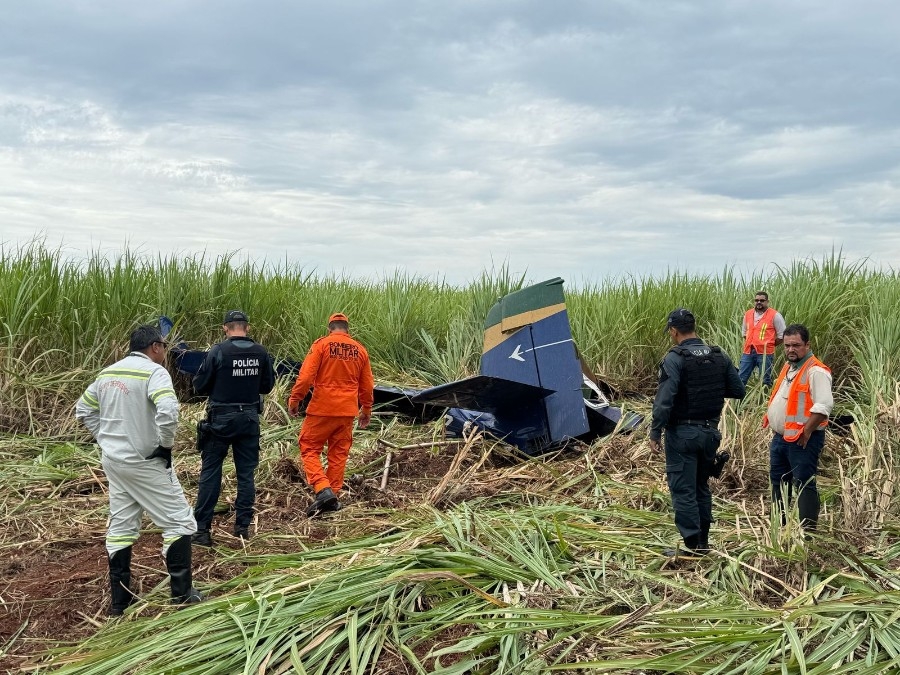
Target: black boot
pixel 808 506
pixel 178 562
pixel 120 581
pixel 324 501
pixel 691 549
pixel 202 538
pixel 703 540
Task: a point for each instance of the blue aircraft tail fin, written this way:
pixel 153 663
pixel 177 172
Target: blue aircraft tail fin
pixel 527 339
pixel 530 377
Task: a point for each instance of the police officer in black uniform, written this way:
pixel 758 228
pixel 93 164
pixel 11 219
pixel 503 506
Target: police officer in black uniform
pixel 694 381
pixel 235 374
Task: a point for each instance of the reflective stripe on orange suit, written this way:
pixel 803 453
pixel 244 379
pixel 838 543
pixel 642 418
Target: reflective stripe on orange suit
pixel 337 368
pixel 760 334
pixel 799 401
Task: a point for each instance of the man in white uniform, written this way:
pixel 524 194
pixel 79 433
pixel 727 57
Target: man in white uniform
pixel 132 411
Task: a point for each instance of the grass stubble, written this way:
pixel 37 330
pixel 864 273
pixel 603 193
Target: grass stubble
pixel 467 561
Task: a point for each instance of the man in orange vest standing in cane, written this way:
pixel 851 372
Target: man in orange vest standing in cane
pixel 799 406
pixel 338 370
pixel 763 331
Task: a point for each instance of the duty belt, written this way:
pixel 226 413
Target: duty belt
pixel 232 406
pixel 699 423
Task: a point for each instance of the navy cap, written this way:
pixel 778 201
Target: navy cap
pixel 234 315
pixel 681 319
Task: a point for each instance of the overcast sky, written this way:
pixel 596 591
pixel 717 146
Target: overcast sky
pixel 576 139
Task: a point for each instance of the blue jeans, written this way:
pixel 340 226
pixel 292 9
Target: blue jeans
pixel 754 361
pixel 792 467
pixel 246 459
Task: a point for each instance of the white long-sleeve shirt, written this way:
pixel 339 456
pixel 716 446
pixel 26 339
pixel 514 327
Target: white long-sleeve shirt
pixel 130 408
pixel 819 389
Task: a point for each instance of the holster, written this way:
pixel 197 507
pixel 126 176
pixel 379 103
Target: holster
pixel 719 464
pixel 202 434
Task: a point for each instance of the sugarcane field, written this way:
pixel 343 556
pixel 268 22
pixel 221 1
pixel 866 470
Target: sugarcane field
pixel 524 547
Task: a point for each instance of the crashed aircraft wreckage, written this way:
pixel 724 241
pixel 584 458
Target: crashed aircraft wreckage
pixel 533 391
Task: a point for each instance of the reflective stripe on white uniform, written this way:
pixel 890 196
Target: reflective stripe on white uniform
pixel 149 487
pixel 131 408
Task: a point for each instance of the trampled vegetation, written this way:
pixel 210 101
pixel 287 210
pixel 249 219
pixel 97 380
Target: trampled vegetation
pixel 466 560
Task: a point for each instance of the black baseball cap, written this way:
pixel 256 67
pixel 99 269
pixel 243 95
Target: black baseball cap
pixel 681 319
pixel 234 315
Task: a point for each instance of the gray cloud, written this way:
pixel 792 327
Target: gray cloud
pixel 577 139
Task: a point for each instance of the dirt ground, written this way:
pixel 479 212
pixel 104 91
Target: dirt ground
pixel 57 591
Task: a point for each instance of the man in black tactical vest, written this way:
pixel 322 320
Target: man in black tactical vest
pixel 235 374
pixel 694 381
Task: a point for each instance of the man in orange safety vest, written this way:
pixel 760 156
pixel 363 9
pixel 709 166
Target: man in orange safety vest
pixel 763 330
pixel 798 411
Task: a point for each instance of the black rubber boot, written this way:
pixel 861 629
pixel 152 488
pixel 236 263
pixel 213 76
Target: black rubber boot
pixel 178 562
pixel 120 581
pixel 808 506
pixel 324 501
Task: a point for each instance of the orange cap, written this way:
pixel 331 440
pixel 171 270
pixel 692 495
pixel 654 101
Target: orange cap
pixel 338 316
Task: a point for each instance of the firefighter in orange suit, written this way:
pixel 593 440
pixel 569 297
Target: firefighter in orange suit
pixel 763 331
pixel 338 370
